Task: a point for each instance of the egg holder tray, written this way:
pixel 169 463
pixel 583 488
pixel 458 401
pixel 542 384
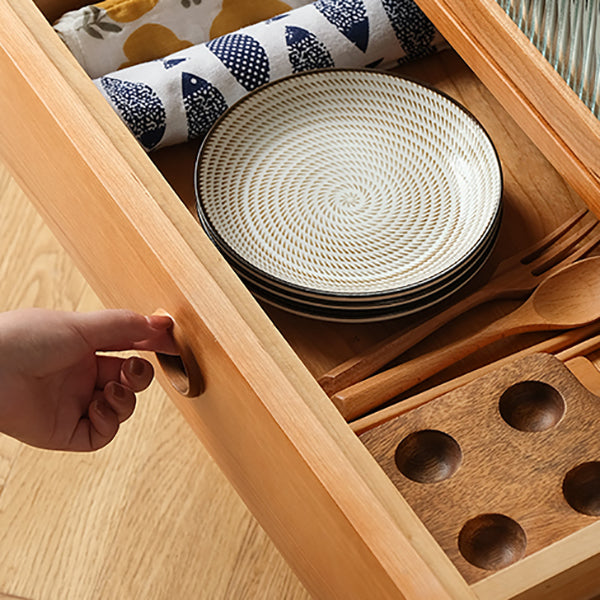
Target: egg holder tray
pixel 502 467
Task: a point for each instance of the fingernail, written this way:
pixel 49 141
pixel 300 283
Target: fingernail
pixel 101 408
pixel 136 366
pixel 159 321
pixel 118 391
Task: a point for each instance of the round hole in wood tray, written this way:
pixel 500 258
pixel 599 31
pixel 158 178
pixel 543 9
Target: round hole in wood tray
pixel 581 488
pixel 428 456
pixel 532 406
pixel 492 541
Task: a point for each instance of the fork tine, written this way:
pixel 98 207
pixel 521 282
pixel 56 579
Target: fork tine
pixel 565 255
pixel 534 251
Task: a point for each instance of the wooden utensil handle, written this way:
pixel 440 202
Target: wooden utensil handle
pixel 586 372
pixel 565 345
pixel 362 365
pixel 371 393
pixel 507 285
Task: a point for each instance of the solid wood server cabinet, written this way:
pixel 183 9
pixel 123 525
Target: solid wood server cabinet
pixel 128 221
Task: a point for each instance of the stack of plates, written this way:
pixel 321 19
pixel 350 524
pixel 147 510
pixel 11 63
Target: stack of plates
pixel 350 195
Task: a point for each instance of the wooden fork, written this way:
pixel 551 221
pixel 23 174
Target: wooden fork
pixel 513 278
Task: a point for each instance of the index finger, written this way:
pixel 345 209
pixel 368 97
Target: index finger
pixel 120 329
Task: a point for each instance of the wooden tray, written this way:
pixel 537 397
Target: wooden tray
pixel 497 469
pixel 127 219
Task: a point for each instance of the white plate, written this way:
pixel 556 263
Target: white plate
pixel 411 299
pixel 361 313
pixel 349 182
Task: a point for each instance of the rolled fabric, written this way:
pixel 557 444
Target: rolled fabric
pixel 115 34
pixel 178 98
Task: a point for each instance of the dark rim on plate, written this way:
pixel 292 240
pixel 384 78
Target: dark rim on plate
pixel 412 289
pixel 363 314
pixel 346 303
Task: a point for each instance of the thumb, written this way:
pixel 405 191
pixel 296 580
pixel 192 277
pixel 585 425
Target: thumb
pixel 119 329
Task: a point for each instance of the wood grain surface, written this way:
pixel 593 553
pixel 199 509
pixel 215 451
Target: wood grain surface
pixel 492 457
pixel 147 518
pixel 263 417
pixel 150 516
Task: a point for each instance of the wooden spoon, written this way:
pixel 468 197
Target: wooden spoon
pixel 569 298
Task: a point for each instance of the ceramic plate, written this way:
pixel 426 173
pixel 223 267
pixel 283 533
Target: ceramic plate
pixel 349 184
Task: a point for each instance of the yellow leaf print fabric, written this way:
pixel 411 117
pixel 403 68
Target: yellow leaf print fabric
pixel 126 12
pixel 115 34
pixel 236 14
pixel 149 42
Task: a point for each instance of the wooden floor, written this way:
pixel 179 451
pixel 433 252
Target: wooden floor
pixel 148 517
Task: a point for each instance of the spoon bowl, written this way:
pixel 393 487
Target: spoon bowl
pixel 571 297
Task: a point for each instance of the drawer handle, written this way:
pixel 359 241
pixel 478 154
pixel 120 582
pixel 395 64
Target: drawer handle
pixel 181 369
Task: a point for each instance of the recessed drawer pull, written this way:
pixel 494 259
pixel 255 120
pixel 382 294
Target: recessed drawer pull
pixel 181 369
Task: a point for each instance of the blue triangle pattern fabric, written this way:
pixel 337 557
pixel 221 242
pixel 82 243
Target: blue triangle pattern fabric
pixel 140 108
pixel 350 17
pixel 306 51
pixel 203 103
pixel 173 62
pixel 414 30
pixel 179 97
pixel 245 58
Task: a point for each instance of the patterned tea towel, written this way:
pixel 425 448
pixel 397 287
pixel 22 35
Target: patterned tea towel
pixel 115 34
pixel 178 98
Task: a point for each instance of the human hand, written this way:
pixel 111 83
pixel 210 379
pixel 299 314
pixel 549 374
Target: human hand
pixel 56 392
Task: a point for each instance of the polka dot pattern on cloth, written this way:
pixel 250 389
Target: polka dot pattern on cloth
pixel 179 97
pixel 245 58
pixel 140 107
pixel 350 17
pixel 203 102
pixel 414 30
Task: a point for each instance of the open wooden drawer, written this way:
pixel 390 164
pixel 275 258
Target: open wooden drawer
pixel 331 510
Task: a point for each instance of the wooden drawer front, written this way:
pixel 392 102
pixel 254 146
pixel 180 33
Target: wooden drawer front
pixel 332 511
pixel 306 477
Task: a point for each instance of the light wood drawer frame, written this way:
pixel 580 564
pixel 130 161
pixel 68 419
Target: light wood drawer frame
pixel 529 88
pixel 315 489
